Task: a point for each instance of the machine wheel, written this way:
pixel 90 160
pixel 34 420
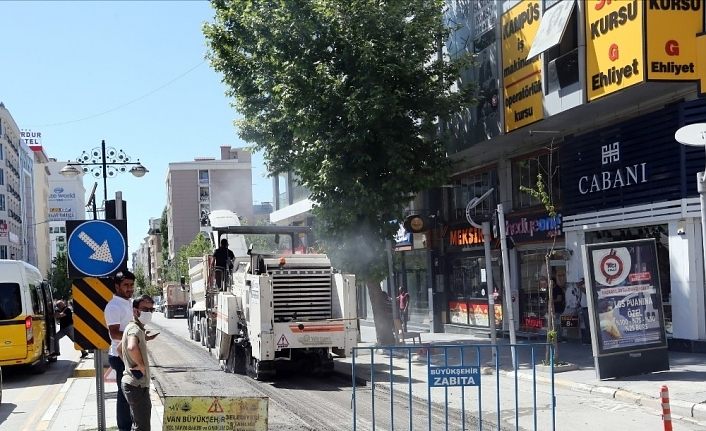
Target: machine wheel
pixel 211 339
pixel 196 329
pixel 41 366
pixel 254 368
pixel 236 359
pixel 204 334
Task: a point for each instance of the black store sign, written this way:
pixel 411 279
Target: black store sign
pixel 632 163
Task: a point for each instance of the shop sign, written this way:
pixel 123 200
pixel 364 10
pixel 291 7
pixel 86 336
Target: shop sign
pixel 614 48
pixel 625 301
pixel 613 175
pixel 466 236
pixel 533 322
pixel 522 76
pixel 537 228
pixel 569 321
pixel 4 229
pixel 671 49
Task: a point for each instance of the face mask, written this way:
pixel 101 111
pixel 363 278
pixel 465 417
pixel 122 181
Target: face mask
pixel 145 316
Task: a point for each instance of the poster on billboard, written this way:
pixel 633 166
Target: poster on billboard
pixel 625 302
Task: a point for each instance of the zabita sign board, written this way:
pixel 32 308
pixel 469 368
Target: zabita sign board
pixel 625 305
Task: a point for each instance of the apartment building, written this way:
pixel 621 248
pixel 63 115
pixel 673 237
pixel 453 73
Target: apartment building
pixel 197 187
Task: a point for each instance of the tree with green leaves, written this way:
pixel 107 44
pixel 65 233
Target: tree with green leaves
pixel 58 276
pixel 348 96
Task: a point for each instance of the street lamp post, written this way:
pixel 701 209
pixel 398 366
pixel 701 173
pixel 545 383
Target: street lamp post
pixel 103 162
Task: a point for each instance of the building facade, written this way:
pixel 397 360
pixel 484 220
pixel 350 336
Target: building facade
pixel 41 206
pixel 196 188
pixel 12 226
pixel 551 103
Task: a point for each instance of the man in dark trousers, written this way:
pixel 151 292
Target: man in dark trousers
pixel 66 324
pixel 118 313
pixel 224 262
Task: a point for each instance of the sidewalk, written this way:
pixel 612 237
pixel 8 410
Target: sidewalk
pixel 75 408
pixel 685 379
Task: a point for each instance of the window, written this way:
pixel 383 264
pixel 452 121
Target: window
pixel 471 186
pixel 2 151
pixel 3 252
pixel 561 61
pixel 204 194
pixel 2 177
pixel 2 202
pixel 10 299
pixel 524 173
pixel 37 307
pixel 203 176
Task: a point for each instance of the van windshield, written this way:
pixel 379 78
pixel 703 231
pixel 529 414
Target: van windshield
pixel 10 301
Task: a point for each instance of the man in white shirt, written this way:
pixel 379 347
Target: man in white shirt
pixel 118 313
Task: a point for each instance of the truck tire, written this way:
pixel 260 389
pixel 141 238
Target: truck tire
pixel 204 334
pixel 236 359
pixel 211 339
pixel 195 329
pixel 167 313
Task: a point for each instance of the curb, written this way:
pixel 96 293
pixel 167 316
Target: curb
pixel 84 369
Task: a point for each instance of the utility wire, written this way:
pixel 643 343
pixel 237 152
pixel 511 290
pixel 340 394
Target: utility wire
pixel 124 104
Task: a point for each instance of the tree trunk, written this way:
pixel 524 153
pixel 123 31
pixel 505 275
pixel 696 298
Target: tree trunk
pixel 552 333
pixel 382 315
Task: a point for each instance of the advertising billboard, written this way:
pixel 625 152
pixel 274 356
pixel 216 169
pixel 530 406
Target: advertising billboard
pixel 625 303
pixel 671 49
pixel 614 48
pixel 522 76
pixel 65 202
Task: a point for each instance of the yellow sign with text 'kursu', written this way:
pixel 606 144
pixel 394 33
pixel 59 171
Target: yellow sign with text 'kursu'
pixel 671 39
pixel 522 76
pixel 614 48
pixel 215 413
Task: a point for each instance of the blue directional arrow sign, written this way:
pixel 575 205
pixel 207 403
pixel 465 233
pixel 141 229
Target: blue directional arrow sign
pixel 96 248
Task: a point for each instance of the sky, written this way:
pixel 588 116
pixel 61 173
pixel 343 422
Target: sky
pixel 132 73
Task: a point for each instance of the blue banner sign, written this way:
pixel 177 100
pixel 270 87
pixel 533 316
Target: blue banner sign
pixel 466 375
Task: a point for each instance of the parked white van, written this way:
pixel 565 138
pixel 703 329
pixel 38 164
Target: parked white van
pixel 27 325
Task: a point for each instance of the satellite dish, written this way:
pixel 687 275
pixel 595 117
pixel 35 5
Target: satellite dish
pixel 693 134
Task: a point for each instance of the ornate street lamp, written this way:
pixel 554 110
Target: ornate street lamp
pixel 103 162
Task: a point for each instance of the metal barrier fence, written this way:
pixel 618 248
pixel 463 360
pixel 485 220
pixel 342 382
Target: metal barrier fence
pixel 454 387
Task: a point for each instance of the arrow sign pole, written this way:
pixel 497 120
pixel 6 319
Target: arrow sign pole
pixel 100 252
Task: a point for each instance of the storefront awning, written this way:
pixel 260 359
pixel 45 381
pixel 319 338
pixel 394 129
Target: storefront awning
pixel 551 27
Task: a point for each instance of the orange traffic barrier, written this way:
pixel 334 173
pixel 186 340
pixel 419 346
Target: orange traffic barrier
pixel 666 411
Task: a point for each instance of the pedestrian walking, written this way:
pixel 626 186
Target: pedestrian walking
pixel 118 313
pixel 403 303
pixel 136 377
pixel 65 316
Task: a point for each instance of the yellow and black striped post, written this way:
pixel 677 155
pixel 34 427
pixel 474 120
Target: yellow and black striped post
pixel 91 295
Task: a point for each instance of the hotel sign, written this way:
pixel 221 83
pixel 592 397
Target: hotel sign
pixel 522 76
pixel 614 49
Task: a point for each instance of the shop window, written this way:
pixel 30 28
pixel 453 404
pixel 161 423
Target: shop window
pixel 468 187
pixel 534 287
pixel 3 252
pixel 411 271
pixel 524 173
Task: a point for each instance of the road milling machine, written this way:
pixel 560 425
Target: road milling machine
pixel 272 311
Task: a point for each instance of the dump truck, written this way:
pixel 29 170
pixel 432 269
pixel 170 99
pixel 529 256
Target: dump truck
pixel 175 300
